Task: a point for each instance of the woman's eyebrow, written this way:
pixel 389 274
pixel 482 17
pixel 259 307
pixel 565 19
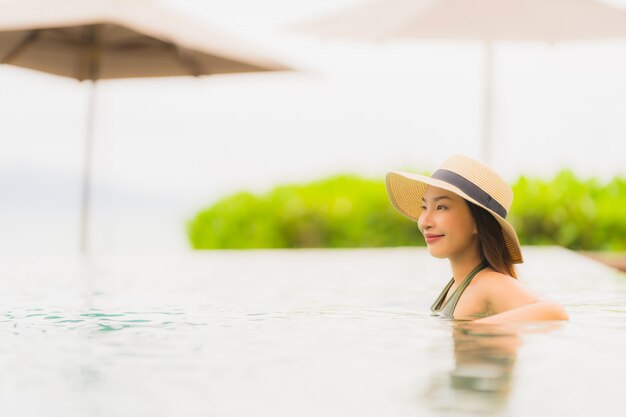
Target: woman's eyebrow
pixel 441 197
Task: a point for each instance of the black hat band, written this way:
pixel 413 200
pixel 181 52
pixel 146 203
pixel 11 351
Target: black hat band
pixel 471 189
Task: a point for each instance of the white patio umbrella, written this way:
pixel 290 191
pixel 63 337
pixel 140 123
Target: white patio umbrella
pixel 108 39
pixel 488 21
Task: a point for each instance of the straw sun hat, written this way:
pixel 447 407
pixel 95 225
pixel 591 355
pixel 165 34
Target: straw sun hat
pixel 466 178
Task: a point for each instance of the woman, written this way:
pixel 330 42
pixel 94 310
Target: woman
pixel 461 211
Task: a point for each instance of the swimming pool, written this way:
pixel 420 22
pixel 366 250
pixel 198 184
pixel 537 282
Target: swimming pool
pixel 299 333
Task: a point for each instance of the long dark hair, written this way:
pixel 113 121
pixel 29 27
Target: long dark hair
pixel 491 241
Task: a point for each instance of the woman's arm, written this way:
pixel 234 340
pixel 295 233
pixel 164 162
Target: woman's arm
pixel 511 301
pixel 540 310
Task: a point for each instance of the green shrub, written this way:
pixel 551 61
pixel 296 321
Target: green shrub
pixel 571 212
pixel 338 212
pixel 348 211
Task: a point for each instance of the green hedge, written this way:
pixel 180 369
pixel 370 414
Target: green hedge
pixel 567 211
pixel 348 211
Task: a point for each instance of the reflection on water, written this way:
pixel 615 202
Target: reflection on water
pixel 484 355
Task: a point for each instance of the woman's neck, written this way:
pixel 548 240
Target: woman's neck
pixel 462 267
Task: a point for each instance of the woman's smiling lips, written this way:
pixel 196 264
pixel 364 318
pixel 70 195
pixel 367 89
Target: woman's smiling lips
pixel 431 238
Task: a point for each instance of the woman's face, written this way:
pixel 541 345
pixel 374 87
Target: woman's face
pixel 447 224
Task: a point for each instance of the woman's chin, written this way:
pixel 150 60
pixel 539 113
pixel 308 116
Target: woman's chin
pixel 435 253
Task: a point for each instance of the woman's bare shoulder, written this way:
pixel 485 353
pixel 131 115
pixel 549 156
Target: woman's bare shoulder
pixel 503 292
pixel 488 278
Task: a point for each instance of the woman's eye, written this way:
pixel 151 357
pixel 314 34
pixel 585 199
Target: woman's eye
pixel 423 208
pixel 441 207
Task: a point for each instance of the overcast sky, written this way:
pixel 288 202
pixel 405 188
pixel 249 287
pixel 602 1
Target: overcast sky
pixel 165 148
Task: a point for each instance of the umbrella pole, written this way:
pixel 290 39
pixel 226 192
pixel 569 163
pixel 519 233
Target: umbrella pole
pixel 487 103
pixel 86 188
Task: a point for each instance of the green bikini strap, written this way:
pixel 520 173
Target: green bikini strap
pixel 454 299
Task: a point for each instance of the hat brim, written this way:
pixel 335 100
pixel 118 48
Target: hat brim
pixel 406 190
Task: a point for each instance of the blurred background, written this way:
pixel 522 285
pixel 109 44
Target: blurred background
pixel 166 148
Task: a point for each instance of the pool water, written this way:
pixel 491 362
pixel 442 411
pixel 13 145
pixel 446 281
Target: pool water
pixel 299 333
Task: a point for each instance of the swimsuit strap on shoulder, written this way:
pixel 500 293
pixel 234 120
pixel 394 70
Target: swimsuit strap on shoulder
pixel 450 305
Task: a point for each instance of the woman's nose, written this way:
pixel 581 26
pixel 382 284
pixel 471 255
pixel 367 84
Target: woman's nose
pixel 425 220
